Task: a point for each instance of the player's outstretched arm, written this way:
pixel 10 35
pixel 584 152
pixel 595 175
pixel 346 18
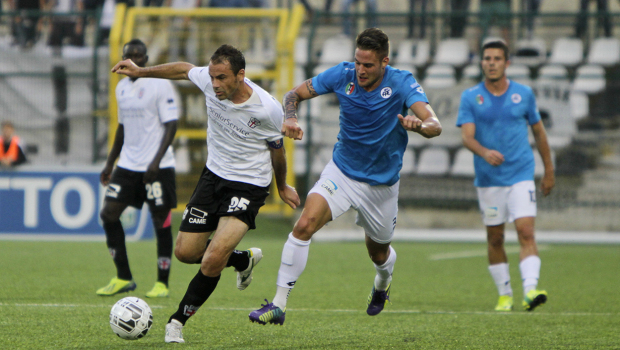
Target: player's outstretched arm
pixel 119 139
pixel 424 121
pixel 468 133
pixel 304 91
pixel 540 135
pixel 287 193
pixel 172 71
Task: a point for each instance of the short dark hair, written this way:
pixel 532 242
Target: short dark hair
pixel 374 39
pixel 135 42
pixel 496 44
pixel 230 54
pixel 7 123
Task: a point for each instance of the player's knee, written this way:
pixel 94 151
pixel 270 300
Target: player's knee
pixel 496 241
pixel 186 256
pixel 305 228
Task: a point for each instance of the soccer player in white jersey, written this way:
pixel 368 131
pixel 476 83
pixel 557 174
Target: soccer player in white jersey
pixel 147 117
pixel 245 148
pixel 494 117
pixel 364 171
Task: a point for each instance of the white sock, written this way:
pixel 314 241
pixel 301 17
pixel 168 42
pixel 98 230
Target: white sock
pixel 384 272
pixel 530 272
pixel 501 277
pixel 294 258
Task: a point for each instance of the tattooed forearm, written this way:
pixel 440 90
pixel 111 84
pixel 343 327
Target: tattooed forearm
pixel 291 101
pixel 311 88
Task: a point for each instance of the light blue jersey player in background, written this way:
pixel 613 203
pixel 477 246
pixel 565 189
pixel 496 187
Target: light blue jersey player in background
pixel 494 117
pixel 364 171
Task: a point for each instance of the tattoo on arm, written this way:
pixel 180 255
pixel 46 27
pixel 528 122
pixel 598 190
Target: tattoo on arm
pixel 311 88
pixel 291 100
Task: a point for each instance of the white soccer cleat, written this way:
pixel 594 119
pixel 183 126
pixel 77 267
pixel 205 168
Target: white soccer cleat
pixel 174 332
pixel 244 278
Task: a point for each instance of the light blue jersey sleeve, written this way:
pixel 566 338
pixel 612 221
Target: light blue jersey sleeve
pixel 466 113
pixel 533 115
pixel 327 81
pixel 416 93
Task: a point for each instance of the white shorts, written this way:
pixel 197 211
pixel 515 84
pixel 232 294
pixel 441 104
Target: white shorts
pixel 376 206
pixel 507 203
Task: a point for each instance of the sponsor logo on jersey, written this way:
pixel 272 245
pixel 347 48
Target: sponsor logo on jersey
pixel 170 100
pixel 479 99
pixel 113 190
pixel 141 93
pixel 185 213
pixel 420 90
pixel 386 92
pixel 330 187
pixel 516 98
pixel 349 88
pixel 217 103
pixel 253 123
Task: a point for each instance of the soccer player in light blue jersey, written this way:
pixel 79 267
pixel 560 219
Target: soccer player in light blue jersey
pixel 364 171
pixel 494 117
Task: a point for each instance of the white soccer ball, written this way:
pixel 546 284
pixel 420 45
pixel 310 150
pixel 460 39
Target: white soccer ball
pixel 131 318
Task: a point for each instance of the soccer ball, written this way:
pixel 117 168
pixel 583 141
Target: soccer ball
pixel 131 318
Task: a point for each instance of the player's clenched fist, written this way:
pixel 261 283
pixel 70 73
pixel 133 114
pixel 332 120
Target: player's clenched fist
pixel 126 67
pixel 410 122
pixel 291 129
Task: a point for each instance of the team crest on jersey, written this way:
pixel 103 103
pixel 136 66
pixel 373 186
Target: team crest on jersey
pixel 253 123
pixel 479 99
pixel 349 88
pixel 516 98
pixel 386 92
pixel 141 93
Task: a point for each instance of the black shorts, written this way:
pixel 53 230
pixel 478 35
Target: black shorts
pixel 215 197
pixel 126 186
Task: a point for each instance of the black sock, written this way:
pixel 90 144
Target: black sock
pixel 115 239
pixel 239 259
pixel 198 291
pixel 164 252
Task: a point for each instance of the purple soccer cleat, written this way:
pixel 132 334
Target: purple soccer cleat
pixel 377 300
pixel 268 313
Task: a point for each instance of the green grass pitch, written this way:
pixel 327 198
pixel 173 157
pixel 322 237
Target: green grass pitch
pixel 439 300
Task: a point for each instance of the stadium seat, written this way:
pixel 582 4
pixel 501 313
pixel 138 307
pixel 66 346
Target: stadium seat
pixel 439 76
pixel 589 79
pixel 604 51
pixel 408 161
pixel 519 73
pixel 454 52
pixel 552 72
pixel 408 67
pixel 434 161
pixel 463 163
pixel 567 52
pixel 412 52
pixel 336 49
pixel 531 53
pixel 579 105
pixel 472 73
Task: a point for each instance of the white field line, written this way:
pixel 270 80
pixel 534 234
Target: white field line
pixel 476 253
pixel 437 312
